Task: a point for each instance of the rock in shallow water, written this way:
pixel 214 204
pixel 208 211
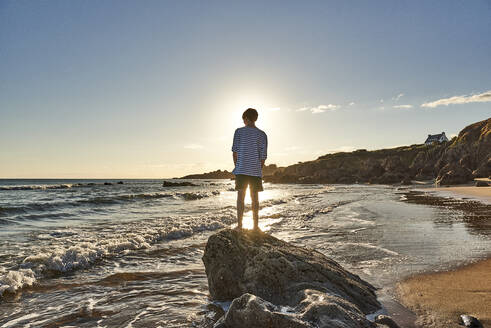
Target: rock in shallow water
pixel 470 321
pixel 387 321
pixel 275 284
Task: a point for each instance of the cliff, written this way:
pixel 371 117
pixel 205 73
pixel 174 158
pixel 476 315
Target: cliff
pixel 457 161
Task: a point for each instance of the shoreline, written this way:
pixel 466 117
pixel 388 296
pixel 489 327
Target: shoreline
pixel 482 194
pixel 438 298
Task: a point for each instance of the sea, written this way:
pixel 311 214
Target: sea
pixel 127 253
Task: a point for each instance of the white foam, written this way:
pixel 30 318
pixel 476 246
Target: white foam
pixel 18 320
pixel 366 245
pixel 130 324
pixel 83 254
pixel 14 280
pixel 371 316
pixel 36 187
pixel 224 305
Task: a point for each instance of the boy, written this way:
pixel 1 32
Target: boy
pixel 249 153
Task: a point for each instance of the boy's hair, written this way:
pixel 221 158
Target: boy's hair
pixel 251 114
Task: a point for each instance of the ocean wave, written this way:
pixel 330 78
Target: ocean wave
pixel 103 245
pixel 103 200
pixel 13 280
pixel 38 187
pixel 197 195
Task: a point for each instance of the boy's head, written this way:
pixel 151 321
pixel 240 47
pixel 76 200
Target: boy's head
pixel 250 114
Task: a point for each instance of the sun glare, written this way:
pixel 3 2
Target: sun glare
pixel 265 217
pixel 265 107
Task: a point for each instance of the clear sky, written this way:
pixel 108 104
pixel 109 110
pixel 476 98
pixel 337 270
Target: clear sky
pixel 155 89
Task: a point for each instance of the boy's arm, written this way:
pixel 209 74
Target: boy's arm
pixel 235 146
pixel 263 150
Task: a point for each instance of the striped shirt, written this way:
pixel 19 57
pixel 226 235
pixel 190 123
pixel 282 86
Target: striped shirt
pixel 251 146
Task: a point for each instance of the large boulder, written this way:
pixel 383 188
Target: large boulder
pixel 483 170
pixel 276 284
pixel 453 173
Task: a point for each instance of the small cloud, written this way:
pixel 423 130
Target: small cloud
pixel 292 148
pixel 320 108
pixel 403 106
pixel 465 99
pixel 396 98
pixel 193 146
pixel 351 103
pixel 275 109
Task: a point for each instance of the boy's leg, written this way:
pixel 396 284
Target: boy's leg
pixel 255 208
pixel 240 207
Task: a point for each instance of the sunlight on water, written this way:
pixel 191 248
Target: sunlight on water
pixel 264 223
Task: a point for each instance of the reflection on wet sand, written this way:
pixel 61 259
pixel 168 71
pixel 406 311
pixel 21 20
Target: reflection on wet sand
pixel 475 215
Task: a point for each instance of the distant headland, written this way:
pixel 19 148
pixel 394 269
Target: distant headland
pixel 456 161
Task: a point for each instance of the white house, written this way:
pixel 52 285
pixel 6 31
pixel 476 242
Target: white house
pixel 436 138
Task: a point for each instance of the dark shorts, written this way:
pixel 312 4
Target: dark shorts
pixel 254 183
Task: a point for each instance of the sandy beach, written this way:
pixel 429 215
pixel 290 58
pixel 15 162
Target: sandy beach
pixel 477 193
pixel 440 298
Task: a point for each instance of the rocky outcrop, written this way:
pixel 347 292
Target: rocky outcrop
pixel 361 166
pixel 272 283
pixel 480 183
pixel 460 160
pixel 177 184
pixel 468 156
pixel 218 174
pixel 457 161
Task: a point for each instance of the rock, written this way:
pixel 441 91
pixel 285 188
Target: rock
pixel 283 285
pixel 218 174
pixel 120 182
pixel 251 311
pixel 406 181
pixel 483 170
pixel 452 174
pixel 389 177
pixel 480 183
pixel 108 183
pixel 177 184
pixel 386 321
pixel 470 321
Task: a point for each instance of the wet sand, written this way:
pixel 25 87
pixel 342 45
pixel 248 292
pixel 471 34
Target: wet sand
pixel 440 298
pixel 478 193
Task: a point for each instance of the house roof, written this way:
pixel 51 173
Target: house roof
pixel 434 137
